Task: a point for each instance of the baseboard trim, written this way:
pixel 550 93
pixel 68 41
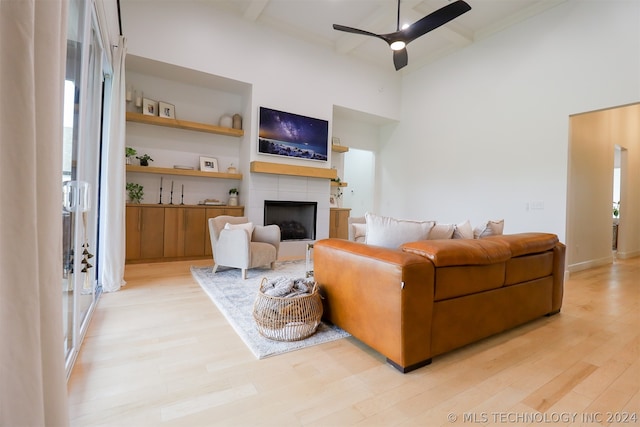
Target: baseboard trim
pixel 573 268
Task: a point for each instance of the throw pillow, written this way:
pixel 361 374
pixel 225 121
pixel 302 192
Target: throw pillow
pixel 463 231
pixel 491 228
pixel 391 233
pixel 441 231
pixel 359 232
pixel 247 226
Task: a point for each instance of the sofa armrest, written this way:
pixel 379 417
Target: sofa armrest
pixel 378 295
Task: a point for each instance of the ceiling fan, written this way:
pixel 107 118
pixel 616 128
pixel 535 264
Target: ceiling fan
pixel 399 39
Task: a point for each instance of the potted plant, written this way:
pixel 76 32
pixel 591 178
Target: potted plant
pixel 135 192
pixel 233 197
pixel 144 159
pixel 129 153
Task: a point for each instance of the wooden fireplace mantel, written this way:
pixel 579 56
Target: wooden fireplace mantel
pixel 294 170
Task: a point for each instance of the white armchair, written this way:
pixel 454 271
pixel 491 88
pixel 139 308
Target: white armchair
pixel 237 243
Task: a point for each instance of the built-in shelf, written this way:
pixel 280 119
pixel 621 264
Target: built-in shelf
pixel 281 169
pixel 183 124
pixel 183 172
pixel 338 184
pixel 339 148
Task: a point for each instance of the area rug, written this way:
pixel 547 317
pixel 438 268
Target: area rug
pixel 234 297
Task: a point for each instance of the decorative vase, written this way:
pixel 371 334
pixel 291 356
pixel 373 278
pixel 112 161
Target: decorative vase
pixel 233 200
pixel 144 162
pixel 226 121
pixel 232 169
pixel 127 160
pixel 237 121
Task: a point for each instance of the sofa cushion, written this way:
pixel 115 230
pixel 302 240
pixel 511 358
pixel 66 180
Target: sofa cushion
pixel 456 252
pixel 491 228
pixel 463 231
pixel 391 233
pixel 359 232
pixel 527 243
pixel 441 231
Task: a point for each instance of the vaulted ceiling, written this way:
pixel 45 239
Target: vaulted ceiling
pixel 312 20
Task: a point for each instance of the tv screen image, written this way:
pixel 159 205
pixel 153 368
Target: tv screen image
pixel 293 135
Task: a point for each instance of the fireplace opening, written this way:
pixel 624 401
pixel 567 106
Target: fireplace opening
pixel 297 220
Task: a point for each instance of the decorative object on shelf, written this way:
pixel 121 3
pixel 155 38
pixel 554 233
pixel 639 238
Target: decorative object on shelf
pixel 160 202
pixel 182 196
pixel 333 202
pixel 232 169
pixel 233 197
pixel 129 153
pixel 226 121
pixel 135 191
pixel 237 121
pixel 335 140
pixel 166 110
pixel 208 164
pixel 171 194
pixel 149 107
pixel 138 100
pixel 309 141
pixel 144 159
pixel 616 209
pixel 129 97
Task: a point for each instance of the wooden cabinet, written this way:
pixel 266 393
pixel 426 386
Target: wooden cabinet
pixel 170 232
pixel 183 232
pixel 144 232
pixel 339 222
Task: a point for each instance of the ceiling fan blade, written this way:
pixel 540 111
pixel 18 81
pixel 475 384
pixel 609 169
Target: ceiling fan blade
pixel 400 58
pixel 354 30
pixel 434 20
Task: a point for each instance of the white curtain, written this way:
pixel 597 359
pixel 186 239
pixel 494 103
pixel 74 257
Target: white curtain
pixel 32 70
pixel 112 217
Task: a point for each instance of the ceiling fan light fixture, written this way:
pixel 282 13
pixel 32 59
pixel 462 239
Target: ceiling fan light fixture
pixel 397 45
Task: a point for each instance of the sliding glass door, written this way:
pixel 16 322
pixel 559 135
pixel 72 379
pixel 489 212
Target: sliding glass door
pixel 83 103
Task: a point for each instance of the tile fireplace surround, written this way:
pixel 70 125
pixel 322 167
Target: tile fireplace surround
pixel 259 187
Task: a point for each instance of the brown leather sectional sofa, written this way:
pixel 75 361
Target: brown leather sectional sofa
pixel 432 296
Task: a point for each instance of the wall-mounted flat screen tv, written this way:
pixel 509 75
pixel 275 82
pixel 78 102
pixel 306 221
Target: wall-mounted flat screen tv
pixel 292 135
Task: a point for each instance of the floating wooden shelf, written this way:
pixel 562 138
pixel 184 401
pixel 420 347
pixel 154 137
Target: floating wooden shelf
pixel 339 148
pixel 338 184
pixel 183 172
pixel 183 124
pixel 281 169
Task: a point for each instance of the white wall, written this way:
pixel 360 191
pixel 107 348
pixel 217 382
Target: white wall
pixel 484 132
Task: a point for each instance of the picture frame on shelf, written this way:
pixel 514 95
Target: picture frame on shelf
pixel 149 107
pixel 333 201
pixel 208 164
pixel 166 110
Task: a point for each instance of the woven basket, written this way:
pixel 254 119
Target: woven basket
pixel 287 319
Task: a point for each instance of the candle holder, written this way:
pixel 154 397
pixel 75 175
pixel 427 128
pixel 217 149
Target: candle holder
pixel 160 202
pixel 182 196
pixel 171 199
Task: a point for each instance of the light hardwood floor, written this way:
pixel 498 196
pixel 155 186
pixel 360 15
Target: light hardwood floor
pixel 158 353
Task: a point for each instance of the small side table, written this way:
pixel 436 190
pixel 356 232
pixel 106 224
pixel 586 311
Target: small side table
pixel 308 262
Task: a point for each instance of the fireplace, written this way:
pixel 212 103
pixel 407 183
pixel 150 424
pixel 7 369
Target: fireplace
pixel 297 220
